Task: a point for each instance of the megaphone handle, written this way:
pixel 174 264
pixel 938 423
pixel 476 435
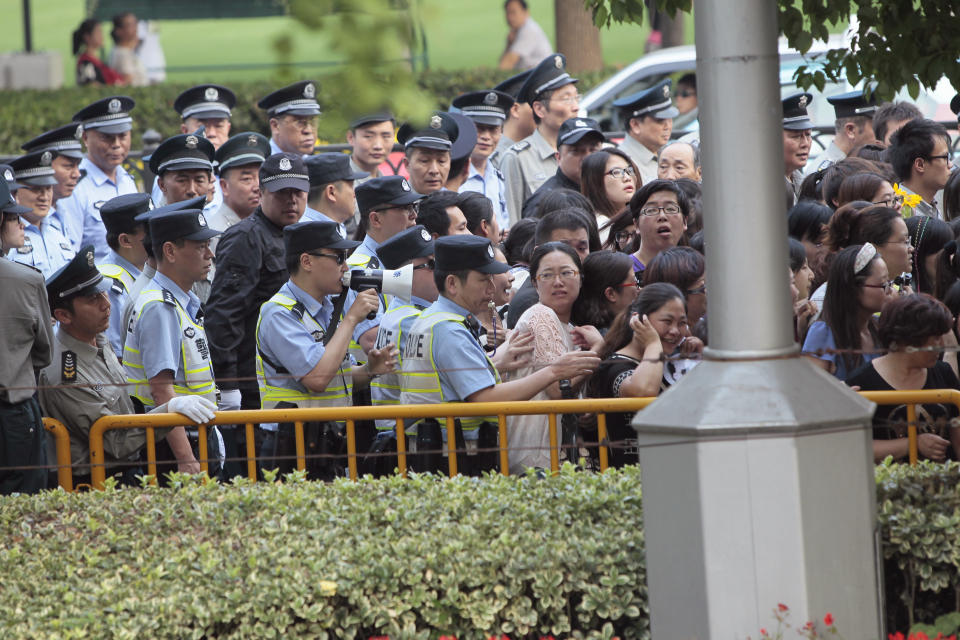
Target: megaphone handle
pixel 373 314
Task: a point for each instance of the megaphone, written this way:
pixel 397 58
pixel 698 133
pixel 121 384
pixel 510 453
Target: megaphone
pixel 390 282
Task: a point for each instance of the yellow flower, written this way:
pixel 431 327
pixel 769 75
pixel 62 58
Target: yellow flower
pixel 909 199
pixel 328 588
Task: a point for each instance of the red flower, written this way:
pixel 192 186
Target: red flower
pixel 828 619
pixel 895 636
pixel 783 607
pixel 763 633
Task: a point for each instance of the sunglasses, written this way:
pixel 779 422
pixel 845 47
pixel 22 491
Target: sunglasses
pixel 340 258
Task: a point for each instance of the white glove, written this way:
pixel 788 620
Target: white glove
pixel 196 408
pixel 230 400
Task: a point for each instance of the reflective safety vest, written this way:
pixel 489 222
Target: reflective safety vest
pixel 385 389
pixel 337 394
pixel 194 352
pixel 118 274
pixel 420 380
pixel 358 260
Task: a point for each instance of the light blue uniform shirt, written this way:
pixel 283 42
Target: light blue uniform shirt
pixel 387 334
pixel 490 184
pixel 368 247
pixel 460 360
pixel 208 209
pixel 116 332
pixel 44 248
pixel 157 332
pixel 81 211
pixel 274 149
pixel 312 215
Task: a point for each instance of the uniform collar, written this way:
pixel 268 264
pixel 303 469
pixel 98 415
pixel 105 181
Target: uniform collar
pixel 370 245
pixel 566 182
pixel 311 304
pixel 635 149
pixel 274 229
pixel 96 174
pixel 82 349
pixel 187 299
pixel 540 145
pixel 449 306
pixel 115 258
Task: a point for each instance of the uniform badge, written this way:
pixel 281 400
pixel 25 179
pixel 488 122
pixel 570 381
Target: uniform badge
pixel 666 91
pixel 79 132
pixel 251 141
pixel 191 142
pixel 113 106
pixel 425 235
pixel 8 175
pixel 168 297
pixel 580 123
pixel 46 158
pixel 490 250
pixel 309 91
pixel 69 366
pixel 285 164
pixel 490 98
pixel 189 332
pixel 201 220
pixel 317 335
pixel 404 184
pixel 211 94
pixel 557 62
pixel 27 247
pixel 90 262
pixel 802 102
pixel 436 122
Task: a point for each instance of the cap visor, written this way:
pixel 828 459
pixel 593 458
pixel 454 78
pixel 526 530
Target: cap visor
pixel 438 146
pixel 407 198
pixel 799 125
pixel 210 114
pixel 493 267
pixel 492 121
pixel 70 153
pixel 41 181
pixel 577 136
pixel 112 128
pixel 15 209
pixel 287 183
pixel 301 111
pixel 343 244
pixel 669 112
pixel 206 234
pixel 182 165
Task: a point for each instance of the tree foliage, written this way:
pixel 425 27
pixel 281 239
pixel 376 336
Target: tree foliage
pixel 896 43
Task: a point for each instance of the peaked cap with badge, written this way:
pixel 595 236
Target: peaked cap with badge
pixel 550 74
pixel 795 116
pixel 62 141
pixel 463 252
pixel 385 191
pixel 438 134
pixel 181 152
pixel 284 171
pixel 511 86
pixel 79 277
pixel 186 224
pixel 109 115
pixel 120 214
pixel 484 107
pixel 242 149
pixel 325 168
pixel 854 103
pixel 34 169
pixel 6 171
pixel 205 101
pixel 297 99
pixel 307 236
pixel 7 204
pixel 654 101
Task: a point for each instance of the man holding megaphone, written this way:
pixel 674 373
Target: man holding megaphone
pixel 303 335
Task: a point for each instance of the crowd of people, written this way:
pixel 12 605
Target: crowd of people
pixel 540 261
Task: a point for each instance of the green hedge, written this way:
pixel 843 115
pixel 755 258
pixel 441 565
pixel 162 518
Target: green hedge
pixel 27 113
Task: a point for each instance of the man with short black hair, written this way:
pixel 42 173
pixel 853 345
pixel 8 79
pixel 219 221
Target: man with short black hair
pixel 648 118
pixel 478 211
pixel 578 138
pixel 519 122
pixel 527 44
pixel 890 116
pixel 332 197
pixel 293 113
pixel 921 158
pixel 441 215
pixel 388 205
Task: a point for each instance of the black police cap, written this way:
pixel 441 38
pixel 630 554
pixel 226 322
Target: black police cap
pixel 409 244
pixel 284 171
pixel 574 130
pixel 511 86
pixel 304 237
pixel 6 171
pixel 795 116
pixel 466 139
pixel 653 101
pixel 62 141
pixel 186 224
pixel 79 277
pixel 183 151
pixel 297 99
pixel 853 103
pixel 372 118
pixel 325 168
pixel 110 115
pixel 463 252
pixel 485 107
pixel 205 101
pixel 438 134
pixel 242 149
pixel 119 214
pixel 385 191
pixel 8 204
pixel 34 169
pixel 550 74
pixel 190 203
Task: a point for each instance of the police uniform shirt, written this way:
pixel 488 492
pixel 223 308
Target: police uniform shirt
pixel 44 248
pixel 312 215
pixel 81 210
pixel 364 253
pixel 138 285
pixel 645 159
pixel 558 181
pixel 526 166
pixel 82 384
pixel 831 155
pixel 58 222
pixel 502 147
pixel 490 184
pixel 26 335
pixel 157 333
pixel 209 208
pixel 118 301
pixel 221 220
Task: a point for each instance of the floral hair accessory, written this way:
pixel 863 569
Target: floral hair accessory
pixel 864 256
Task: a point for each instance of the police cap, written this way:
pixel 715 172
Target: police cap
pixel 409 244
pixel 119 214
pixel 8 204
pixel 79 277
pixel 653 101
pixel 511 86
pixel 183 151
pixel 372 118
pixel 574 130
pixel 385 191
pixel 7 172
pixel 466 139
pixel 110 115
pixel 298 99
pixel 795 117
pixel 463 252
pixel 186 224
pixel 242 149
pixel 62 141
pixel 190 203
pixel 284 171
pixel 854 103
pixel 484 107
pixel 34 169
pixel 550 74
pixel 438 134
pixel 307 236
pixel 205 101
pixel 325 168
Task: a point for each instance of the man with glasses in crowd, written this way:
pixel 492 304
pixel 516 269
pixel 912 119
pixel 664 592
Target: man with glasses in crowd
pixel 920 155
pixel 648 118
pixel 578 138
pixel 388 205
pixel 293 113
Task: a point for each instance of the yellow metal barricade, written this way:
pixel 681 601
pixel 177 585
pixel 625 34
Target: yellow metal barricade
pixel 351 414
pixel 912 399
pixel 62 440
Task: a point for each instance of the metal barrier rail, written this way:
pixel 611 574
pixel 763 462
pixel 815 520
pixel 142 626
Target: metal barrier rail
pixel 446 411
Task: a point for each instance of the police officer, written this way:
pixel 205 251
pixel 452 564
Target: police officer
pixel 854 127
pixel 11 226
pixel 648 119
pixel 64 143
pixel 552 95
pixel 371 137
pixel 388 205
pixel 578 138
pixel 488 110
pixel 461 148
pixel 427 152
pixel 797 128
pixel 166 353
pixel 106 135
pixel 127 256
pixel 45 247
pixel 293 113
pixel 25 342
pixel 332 197
pixel 303 333
pixel 183 165
pixel 238 163
pixel 444 342
pixel 85 381
pixel 519 122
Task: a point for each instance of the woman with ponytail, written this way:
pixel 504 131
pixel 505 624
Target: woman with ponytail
pixel 87 39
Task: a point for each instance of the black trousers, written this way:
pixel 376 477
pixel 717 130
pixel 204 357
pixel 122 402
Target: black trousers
pixel 22 444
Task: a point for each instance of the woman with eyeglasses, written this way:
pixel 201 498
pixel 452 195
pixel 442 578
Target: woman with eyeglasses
pixel 609 287
pixel 633 366
pixel 556 271
pixel 608 179
pixel 660 210
pixel 911 329
pixel 871 187
pixel 621 233
pixel 857 288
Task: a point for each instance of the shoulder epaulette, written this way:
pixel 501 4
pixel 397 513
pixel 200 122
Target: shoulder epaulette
pixel 69 367
pixel 117 286
pixel 298 310
pixel 168 297
pixel 520 146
